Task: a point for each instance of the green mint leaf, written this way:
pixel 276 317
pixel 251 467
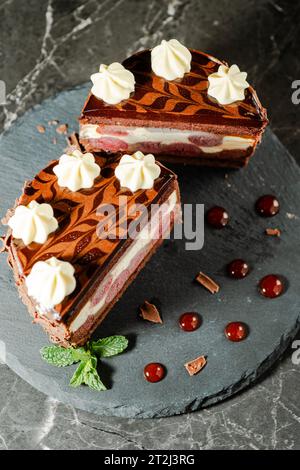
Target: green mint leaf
pixel 109 346
pixel 62 357
pixel 91 376
pixel 78 376
pixel 87 374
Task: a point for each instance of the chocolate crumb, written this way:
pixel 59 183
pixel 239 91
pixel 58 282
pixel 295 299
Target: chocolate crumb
pixel 194 366
pixel 208 283
pixel 149 312
pixel 41 129
pixel 62 129
pixel 275 232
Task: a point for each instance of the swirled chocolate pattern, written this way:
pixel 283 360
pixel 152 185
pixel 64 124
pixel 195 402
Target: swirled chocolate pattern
pixel 81 215
pixel 177 103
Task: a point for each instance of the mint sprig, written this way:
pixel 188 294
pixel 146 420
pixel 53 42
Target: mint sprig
pixel 86 373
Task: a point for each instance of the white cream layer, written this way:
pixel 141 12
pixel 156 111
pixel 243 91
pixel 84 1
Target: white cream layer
pixel 142 240
pixel 167 137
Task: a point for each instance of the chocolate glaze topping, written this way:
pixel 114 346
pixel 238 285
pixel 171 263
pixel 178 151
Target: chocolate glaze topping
pixel 180 102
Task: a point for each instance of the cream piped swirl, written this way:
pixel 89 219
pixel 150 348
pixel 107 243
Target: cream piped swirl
pixel 170 59
pixel 113 83
pixel 137 171
pixel 50 281
pixel 77 170
pixel 228 84
pixel 33 223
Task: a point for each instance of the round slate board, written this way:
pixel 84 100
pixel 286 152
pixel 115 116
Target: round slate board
pixel 168 280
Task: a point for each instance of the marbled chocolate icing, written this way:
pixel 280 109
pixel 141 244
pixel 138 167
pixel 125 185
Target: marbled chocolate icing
pixel 76 238
pixel 176 103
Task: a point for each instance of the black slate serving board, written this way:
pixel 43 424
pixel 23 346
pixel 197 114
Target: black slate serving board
pixel 168 279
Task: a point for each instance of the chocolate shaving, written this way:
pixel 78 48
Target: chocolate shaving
pixel 62 129
pixel 194 366
pixel 41 129
pixel 273 232
pixel 149 312
pixel 208 283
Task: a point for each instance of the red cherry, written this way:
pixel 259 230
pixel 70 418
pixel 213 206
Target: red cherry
pixel 238 269
pixel 154 372
pixel 267 206
pixel 271 286
pixel 189 321
pixel 217 217
pixel 236 331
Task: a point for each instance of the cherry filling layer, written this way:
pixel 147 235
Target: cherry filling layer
pixel 159 141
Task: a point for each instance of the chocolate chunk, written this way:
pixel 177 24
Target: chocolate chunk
pixel 273 232
pixel 41 129
pixel 208 283
pixel 149 312
pixel 194 366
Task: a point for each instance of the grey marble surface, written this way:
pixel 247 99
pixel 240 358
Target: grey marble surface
pixel 47 46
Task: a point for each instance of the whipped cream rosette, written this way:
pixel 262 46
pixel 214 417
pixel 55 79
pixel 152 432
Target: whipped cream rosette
pixel 137 171
pixel 170 59
pixel 77 170
pixel 49 282
pixel 228 84
pixel 33 223
pixel 113 83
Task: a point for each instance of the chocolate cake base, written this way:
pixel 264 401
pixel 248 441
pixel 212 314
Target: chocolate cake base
pixel 168 281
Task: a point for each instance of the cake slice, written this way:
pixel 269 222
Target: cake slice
pixel 210 116
pixel 75 251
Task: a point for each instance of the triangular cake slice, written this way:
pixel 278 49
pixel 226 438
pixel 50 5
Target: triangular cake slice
pixel 104 248
pixel 175 120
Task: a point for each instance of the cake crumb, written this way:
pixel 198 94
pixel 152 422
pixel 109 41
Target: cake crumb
pixel 41 129
pixel 291 216
pixel 53 122
pixel 273 232
pixel 149 312
pixel 54 140
pixel 62 129
pixel 194 366
pixel 208 283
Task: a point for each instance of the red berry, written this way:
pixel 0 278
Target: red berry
pixel 271 286
pixel 190 321
pixel 236 331
pixel 154 372
pixel 217 217
pixel 267 206
pixel 238 269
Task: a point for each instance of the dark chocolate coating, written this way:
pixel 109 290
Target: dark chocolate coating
pixel 182 103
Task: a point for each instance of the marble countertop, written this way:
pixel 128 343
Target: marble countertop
pixel 50 45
